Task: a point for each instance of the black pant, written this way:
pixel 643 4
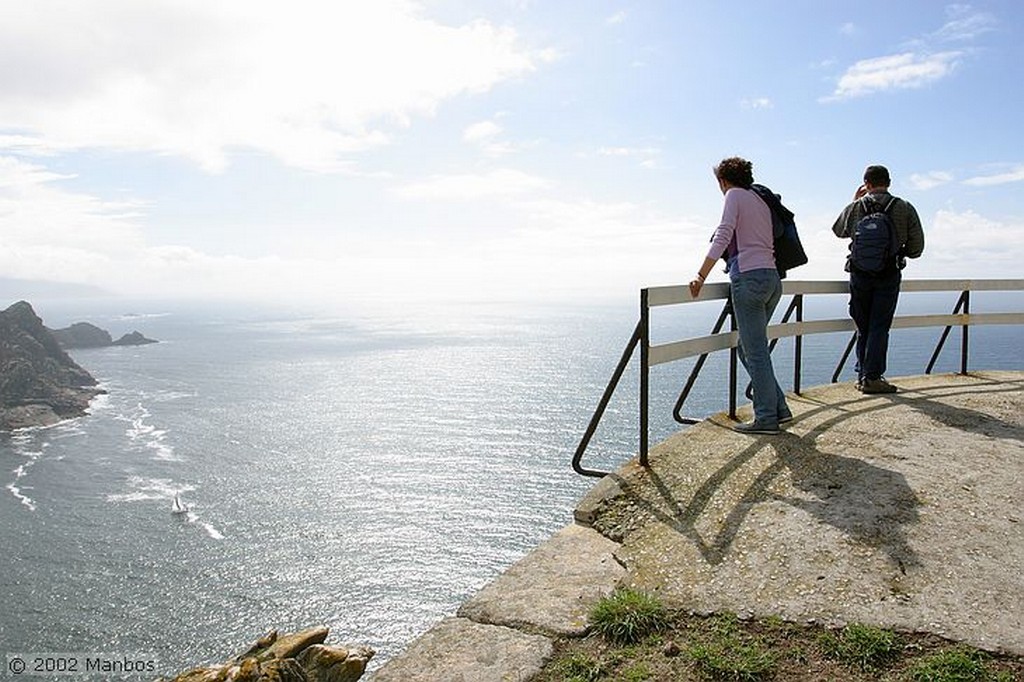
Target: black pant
pixel 872 306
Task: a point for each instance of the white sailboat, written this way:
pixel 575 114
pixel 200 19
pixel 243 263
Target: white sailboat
pixel 178 507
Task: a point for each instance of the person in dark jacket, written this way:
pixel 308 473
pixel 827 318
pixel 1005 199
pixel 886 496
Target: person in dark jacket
pixel 873 296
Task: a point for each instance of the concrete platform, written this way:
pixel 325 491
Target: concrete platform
pixel 902 511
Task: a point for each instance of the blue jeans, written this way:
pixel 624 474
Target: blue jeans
pixel 872 306
pixel 755 294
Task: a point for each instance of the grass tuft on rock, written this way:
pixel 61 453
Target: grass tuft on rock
pixel 731 660
pixel 957 664
pixel 862 646
pixel 581 668
pixel 628 616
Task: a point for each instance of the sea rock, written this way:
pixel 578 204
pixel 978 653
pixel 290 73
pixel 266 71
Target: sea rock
pixel 39 382
pixel 133 339
pixel 86 335
pixel 82 335
pixel 298 657
pixel 334 664
pixel 286 646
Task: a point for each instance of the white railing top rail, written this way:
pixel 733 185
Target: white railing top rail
pixel 678 350
pixel 675 294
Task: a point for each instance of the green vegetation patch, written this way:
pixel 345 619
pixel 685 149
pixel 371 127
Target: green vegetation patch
pixel 730 660
pixel 628 616
pixel 580 668
pixel 957 664
pixel 862 646
pixel 725 647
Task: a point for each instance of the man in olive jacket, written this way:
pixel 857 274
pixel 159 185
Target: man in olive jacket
pixel 873 296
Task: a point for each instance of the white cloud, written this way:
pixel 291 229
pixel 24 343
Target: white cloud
pixel 958 244
pixel 52 234
pixel 47 232
pixel 36 213
pixel 594 249
pixel 1015 174
pixel 617 18
pixel 894 72
pixel 480 132
pixel 648 156
pixel 25 145
pixel 484 134
pixel 930 180
pixel 965 24
pixel 848 29
pixel 502 182
pixel 549 246
pixel 967 244
pixel 757 103
pixel 922 66
pixel 310 81
pixel 582 247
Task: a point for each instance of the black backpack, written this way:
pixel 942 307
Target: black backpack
pixel 789 252
pixel 874 249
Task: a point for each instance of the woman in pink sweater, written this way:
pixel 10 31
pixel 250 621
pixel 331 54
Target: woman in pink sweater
pixel 744 239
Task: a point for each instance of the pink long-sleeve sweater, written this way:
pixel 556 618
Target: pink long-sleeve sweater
pixel 749 219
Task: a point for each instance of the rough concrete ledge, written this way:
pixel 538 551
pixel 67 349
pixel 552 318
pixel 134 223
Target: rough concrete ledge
pixel 459 650
pixel 553 588
pixel 549 591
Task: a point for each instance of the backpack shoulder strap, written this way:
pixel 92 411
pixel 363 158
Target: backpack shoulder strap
pixel 868 203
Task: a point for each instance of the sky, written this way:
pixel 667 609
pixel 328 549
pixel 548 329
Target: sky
pixel 333 151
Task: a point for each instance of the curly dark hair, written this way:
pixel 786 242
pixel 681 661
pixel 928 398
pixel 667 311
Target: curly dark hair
pixel 736 171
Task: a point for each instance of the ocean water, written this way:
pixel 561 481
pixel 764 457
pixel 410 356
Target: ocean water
pixel 368 472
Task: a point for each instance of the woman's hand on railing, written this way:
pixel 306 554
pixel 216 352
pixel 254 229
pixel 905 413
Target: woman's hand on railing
pixel 695 285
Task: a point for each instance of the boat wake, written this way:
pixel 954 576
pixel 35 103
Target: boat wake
pixel 164 490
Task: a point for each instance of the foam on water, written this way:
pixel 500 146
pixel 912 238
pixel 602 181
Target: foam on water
pixel 21 443
pixel 142 489
pixel 147 435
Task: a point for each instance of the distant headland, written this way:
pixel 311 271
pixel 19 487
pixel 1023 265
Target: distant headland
pixel 39 382
pixel 85 335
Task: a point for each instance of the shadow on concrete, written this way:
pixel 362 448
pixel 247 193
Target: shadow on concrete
pixel 962 418
pixel 871 505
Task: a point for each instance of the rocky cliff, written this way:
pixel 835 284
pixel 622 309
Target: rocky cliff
pixel 39 383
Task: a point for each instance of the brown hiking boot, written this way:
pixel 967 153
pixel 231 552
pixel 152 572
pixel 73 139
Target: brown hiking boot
pixel 879 385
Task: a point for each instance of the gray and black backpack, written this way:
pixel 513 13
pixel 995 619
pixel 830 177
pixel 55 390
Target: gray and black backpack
pixel 874 249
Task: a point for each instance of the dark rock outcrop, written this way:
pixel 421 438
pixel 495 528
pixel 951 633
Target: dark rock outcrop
pixel 82 335
pixel 299 657
pixel 133 339
pixel 39 383
pixel 85 335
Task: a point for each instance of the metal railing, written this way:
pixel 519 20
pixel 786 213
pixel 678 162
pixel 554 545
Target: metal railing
pixel 701 347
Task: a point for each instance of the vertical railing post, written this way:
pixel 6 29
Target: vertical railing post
pixel 732 361
pixel 798 344
pixel 964 333
pixel 645 347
